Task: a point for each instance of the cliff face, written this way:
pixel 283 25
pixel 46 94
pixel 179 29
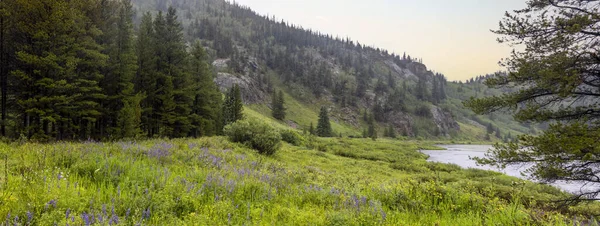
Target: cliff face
pixel 444 121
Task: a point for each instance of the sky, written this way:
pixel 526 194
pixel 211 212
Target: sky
pixel 452 37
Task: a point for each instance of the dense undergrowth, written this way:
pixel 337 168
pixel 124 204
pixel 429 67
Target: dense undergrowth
pixel 211 181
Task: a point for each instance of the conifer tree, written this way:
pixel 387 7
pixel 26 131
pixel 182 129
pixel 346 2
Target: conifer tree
pixel 233 106
pixel 145 80
pixel 278 105
pixel 58 93
pixel 324 126
pixel 206 111
pixel 124 65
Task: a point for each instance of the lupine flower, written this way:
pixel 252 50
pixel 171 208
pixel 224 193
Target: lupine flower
pixel 67 213
pixel 104 209
pixel 99 218
pixel 16 223
pixel 51 203
pixel 29 217
pixel 127 213
pixel 86 219
pixel 146 213
pixel 114 220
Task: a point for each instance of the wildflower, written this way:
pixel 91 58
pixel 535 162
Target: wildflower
pixel 29 217
pixel 16 221
pixel 127 213
pixel 146 213
pixel 67 213
pixel 113 220
pixel 51 203
pixel 86 219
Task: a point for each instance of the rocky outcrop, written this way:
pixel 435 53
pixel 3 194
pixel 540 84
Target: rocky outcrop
pixel 444 120
pixel 400 121
pixel 251 90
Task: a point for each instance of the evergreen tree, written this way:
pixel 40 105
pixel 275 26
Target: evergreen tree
pixel 176 64
pixel 146 76
pixel 278 105
pixel 311 129
pixel 233 106
pixel 324 126
pixel 58 93
pixel 372 131
pixel 391 132
pixel 124 65
pixel 206 110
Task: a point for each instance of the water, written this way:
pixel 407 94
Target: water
pixel 460 155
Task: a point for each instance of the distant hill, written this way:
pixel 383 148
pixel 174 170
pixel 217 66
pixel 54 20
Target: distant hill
pixel 355 81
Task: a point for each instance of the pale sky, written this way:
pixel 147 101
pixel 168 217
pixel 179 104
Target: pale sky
pixel 452 36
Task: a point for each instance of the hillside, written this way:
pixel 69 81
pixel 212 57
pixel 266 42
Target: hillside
pixel 211 181
pixel 315 69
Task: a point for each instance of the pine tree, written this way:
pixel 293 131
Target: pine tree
pixel 206 111
pixel 278 105
pixel 391 132
pixel 324 126
pixel 233 106
pixel 124 65
pixel 311 129
pixel 176 68
pixel 372 131
pixel 146 76
pixel 58 95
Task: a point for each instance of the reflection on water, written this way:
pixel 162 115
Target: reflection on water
pixel 460 155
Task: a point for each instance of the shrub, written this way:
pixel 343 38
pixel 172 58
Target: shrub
pixel 292 137
pixel 256 135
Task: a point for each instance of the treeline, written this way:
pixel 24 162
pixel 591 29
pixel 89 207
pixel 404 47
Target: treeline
pixel 79 70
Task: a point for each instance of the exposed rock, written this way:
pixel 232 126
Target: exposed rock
pixel 251 91
pixel 417 68
pixel 221 64
pixel 444 120
pixel 401 123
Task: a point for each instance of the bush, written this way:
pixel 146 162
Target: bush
pixel 256 135
pixel 292 137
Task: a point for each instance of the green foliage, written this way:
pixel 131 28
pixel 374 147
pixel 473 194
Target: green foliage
pixel 278 105
pixel 259 136
pixel 292 137
pixel 210 180
pixel 233 106
pixel 323 125
pixel 554 84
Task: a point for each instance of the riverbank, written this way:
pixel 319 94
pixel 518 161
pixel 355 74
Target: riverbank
pixel 211 181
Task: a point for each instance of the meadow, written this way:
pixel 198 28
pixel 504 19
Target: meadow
pixel 212 181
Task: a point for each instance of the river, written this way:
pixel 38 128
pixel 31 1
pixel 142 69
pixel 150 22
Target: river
pixel 460 155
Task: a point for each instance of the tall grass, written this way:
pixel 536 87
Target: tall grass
pixel 211 181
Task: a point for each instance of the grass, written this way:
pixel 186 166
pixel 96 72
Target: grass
pixel 301 115
pixel 210 181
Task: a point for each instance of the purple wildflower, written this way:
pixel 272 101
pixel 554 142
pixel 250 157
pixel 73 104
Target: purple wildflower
pixel 99 218
pixel 113 220
pixel 146 213
pixel 51 203
pixel 16 223
pixel 103 209
pixel 67 213
pixel 86 219
pixel 29 217
pixel 127 213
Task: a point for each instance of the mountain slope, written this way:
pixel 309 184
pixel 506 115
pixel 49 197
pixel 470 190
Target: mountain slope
pixel 314 69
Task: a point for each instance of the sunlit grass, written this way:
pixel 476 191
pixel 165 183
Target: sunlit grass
pixel 211 181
